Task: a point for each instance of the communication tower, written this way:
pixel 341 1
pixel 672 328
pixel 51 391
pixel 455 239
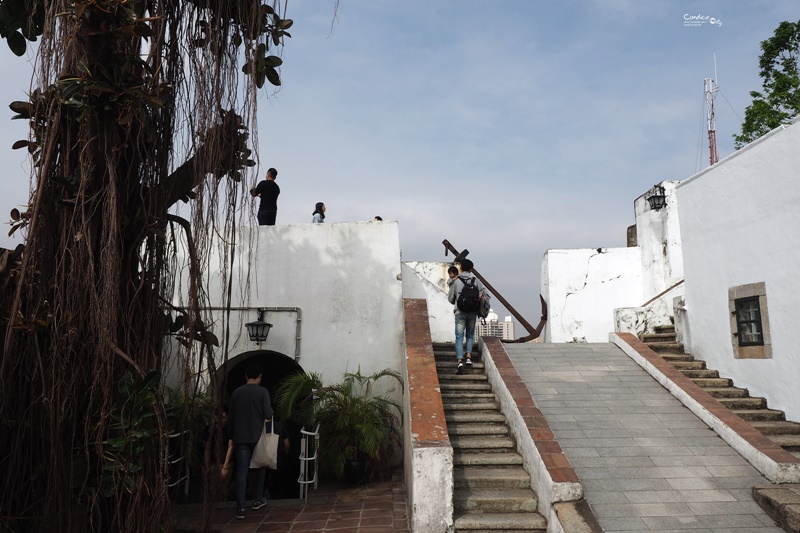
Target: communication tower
pixel 711 87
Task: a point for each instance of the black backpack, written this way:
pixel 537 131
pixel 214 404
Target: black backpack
pixel 469 301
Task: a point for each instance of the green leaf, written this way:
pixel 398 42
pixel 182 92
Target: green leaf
pixel 272 76
pixel 17 44
pixel 273 61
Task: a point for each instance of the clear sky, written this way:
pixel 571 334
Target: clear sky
pixel 508 126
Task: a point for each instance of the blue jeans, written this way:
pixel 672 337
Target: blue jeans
pixel 465 322
pixel 242 454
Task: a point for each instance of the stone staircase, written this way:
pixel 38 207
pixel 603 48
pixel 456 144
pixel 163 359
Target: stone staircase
pixel 492 491
pixel 770 422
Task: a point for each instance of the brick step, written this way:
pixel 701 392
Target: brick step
pixel 467 396
pixel 689 365
pixel 509 477
pixel 759 414
pixel 712 382
pixel 776 427
pixel 705 373
pixel 665 347
pixel 465 376
pixel 726 392
pixel 456 387
pixel 472 405
pixel 495 500
pixel 788 441
pixel 665 329
pixel 486 459
pixel 743 403
pixel 460 428
pixel 486 443
pixel 658 337
pixel 499 523
pixel 478 418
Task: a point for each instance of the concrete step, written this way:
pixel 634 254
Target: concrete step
pixel 743 403
pixel 704 373
pixel 726 392
pixel 478 418
pixel 482 442
pixel 672 357
pixel 760 415
pixel 777 427
pixel 788 441
pixel 459 428
pixel 467 386
pixel 470 405
pixel 666 347
pixel 689 365
pixel 467 404
pixel 665 328
pixel 467 396
pixel 450 364
pixel 658 337
pixel 510 477
pixel 486 459
pixel 465 376
pixel 495 500
pixel 499 523
pixel 712 382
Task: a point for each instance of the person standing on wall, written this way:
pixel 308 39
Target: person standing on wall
pixel 466 293
pixel 318 216
pixel 268 191
pixel 250 409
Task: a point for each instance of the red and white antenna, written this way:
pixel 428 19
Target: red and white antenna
pixel 711 87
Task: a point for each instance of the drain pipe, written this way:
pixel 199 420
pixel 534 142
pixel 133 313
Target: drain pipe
pixel 296 310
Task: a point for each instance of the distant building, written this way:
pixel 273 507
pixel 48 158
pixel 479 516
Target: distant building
pixel 494 328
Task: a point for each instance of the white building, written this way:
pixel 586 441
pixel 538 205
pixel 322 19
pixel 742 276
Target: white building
pixel 492 327
pixel 720 260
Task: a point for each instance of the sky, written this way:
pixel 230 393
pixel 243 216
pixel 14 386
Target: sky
pixel 507 127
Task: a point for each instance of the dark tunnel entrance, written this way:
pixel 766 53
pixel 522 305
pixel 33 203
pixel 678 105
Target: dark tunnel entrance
pixel 281 483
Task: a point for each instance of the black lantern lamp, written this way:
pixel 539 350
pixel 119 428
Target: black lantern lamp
pixel 656 197
pixel 259 329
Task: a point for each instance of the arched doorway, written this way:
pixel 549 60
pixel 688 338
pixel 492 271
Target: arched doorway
pixel 276 366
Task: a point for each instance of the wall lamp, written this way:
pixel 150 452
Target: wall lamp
pixel 258 330
pixel 656 197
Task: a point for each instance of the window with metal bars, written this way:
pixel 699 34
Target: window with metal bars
pixel 748 322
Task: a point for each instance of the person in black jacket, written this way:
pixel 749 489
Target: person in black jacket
pixel 268 191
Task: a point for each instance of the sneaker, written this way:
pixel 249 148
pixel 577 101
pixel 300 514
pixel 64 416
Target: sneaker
pixel 258 504
pixel 460 367
pixel 239 513
pixel 469 361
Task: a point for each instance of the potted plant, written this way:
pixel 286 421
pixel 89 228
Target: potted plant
pixel 359 431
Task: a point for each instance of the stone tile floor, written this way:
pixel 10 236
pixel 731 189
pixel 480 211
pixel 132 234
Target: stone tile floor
pixel 377 507
pixel 645 461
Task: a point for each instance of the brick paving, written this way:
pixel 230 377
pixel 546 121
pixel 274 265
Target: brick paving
pixel 645 461
pixel 377 507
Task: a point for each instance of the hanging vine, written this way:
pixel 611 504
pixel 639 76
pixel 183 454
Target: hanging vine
pixel 136 106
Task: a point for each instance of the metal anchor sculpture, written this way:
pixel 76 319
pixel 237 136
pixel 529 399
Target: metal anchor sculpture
pixel 533 332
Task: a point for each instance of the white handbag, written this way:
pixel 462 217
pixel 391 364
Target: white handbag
pixel 265 453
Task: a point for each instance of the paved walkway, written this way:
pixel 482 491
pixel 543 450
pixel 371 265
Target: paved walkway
pixel 377 507
pixel 645 461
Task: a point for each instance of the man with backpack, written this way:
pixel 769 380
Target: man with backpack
pixel 467 294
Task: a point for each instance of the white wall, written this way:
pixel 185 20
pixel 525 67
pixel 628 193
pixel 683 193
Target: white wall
pixel 427 280
pixel 582 287
pixel 345 279
pixel 658 236
pixel 741 224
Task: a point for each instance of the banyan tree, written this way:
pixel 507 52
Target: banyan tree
pixel 142 136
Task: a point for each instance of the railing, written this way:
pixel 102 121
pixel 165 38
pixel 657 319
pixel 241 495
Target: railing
pixel 180 458
pixel 309 444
